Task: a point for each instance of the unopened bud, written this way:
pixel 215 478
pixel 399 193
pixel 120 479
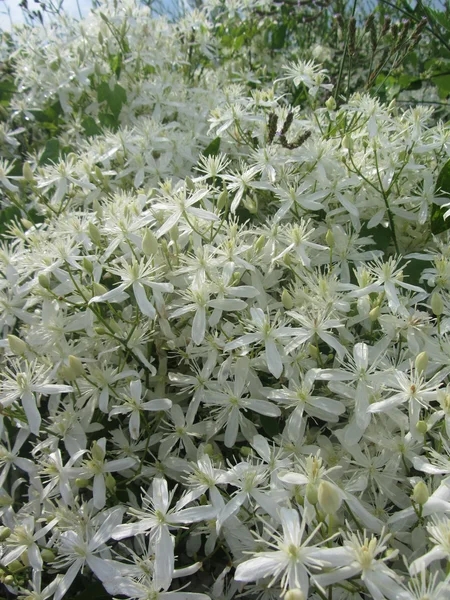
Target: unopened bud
pixel 110 482
pixel 294 594
pixel 260 243
pixel 222 199
pixel 97 208
pixel 24 558
pixel 331 103
pixel 94 234
pixel 43 281
pixel 329 498
pixel 329 238
pixel 47 555
pixel 313 351
pixel 15 566
pixel 97 452
pixel 174 233
pixel 421 427
pixel 5 532
pixel 311 494
pixel 347 142
pixel 87 265
pixel 246 451
pixel 250 205
pixel 190 185
pixel 208 449
pixel 9 579
pixel 26 223
pixel 17 345
pixel 76 365
pixel 149 243
pixel 98 289
pixel 420 493
pixel 374 314
pixel 437 305
pixel 27 172
pixel 287 300
pixel 421 362
pixel 81 483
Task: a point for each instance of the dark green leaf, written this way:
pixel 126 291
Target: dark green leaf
pixel 213 148
pixel 51 152
pixel 438 223
pixel 279 37
pixel 6 216
pixel 90 126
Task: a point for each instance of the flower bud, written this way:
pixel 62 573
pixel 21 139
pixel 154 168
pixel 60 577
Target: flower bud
pixel 9 579
pixel 190 185
pixel 294 594
pixel 110 482
pixel 250 205
pixel 420 493
pixel 100 330
pixel 329 238
pixel 287 300
pixel 422 427
pixel 421 362
pixel 26 223
pixel 97 208
pixel 208 449
pixel 24 558
pixel 149 243
pixel 15 566
pixel 97 452
pixel 43 281
pixel 329 498
pixel 76 365
pixel 311 494
pixel 98 289
pixel 260 243
pixel 5 532
pixel 222 199
pixel 347 142
pixel 81 483
pixel 246 451
pixel 374 314
pixel 313 351
pixel 94 234
pixel 174 233
pixel 47 555
pixel 331 103
pixel 27 172
pixel 437 305
pixel 16 345
pixel 87 265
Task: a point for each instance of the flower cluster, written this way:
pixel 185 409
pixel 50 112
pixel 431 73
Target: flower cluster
pixel 225 325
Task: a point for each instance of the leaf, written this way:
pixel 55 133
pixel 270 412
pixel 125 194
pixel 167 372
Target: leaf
pixel 51 152
pixel 6 216
pixel 279 37
pixel 213 148
pixel 90 126
pixel 438 223
pixel 115 98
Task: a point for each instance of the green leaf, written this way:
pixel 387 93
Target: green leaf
pixel 442 82
pixel 90 126
pixel 438 223
pixel 213 148
pixel 6 216
pixel 115 98
pixel 279 37
pixel 51 152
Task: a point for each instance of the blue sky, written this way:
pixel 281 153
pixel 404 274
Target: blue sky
pixel 70 6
